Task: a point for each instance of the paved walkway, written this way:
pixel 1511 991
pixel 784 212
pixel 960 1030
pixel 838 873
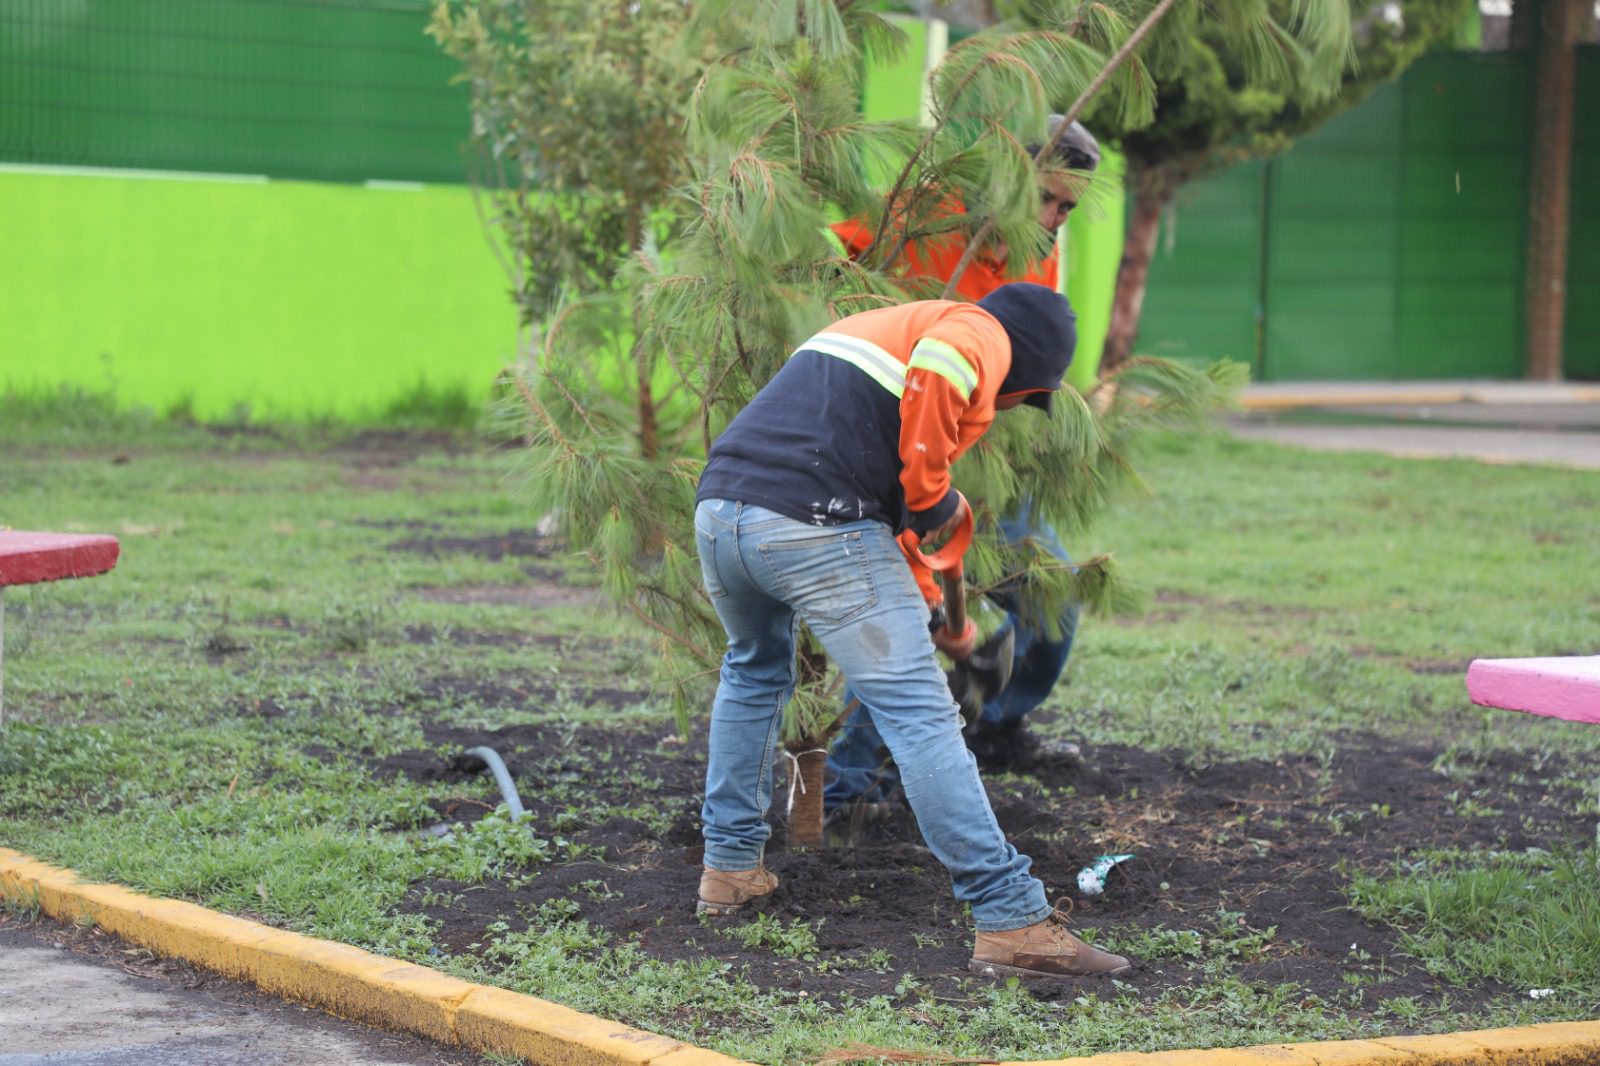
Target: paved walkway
pixel 1495 422
pixel 71 997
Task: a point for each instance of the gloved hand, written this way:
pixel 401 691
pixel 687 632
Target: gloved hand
pixel 957 647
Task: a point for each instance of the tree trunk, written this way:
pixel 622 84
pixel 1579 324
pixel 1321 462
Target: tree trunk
pixel 1151 195
pixel 1556 26
pixel 808 756
pixel 649 435
pixel 805 817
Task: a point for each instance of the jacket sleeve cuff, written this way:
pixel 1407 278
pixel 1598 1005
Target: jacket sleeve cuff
pixel 935 516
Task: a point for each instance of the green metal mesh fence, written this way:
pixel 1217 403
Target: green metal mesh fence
pixel 1390 243
pixel 327 89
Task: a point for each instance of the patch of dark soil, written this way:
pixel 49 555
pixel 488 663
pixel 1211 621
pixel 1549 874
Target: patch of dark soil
pixel 536 596
pixel 394 447
pixel 1240 847
pixel 544 759
pixel 517 543
pixel 427 634
pixel 536 693
pixel 1457 667
pixel 390 524
pixel 1237 608
pixel 267 708
pixel 244 430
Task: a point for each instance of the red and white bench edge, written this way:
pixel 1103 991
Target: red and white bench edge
pixel 27 558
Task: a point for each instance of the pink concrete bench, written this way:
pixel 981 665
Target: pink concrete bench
pixel 1558 688
pixel 28 558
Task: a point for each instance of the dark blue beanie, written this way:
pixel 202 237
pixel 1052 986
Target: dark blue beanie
pixel 1043 332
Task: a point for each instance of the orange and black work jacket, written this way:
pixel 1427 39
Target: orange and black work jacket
pixel 866 417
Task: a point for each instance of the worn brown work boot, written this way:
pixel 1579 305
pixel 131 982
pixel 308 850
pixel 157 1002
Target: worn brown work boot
pixel 728 892
pixel 1044 949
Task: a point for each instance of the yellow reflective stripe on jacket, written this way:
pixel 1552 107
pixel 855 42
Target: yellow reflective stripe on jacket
pixel 878 364
pixel 946 361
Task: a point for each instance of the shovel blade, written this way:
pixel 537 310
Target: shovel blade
pixel 985 674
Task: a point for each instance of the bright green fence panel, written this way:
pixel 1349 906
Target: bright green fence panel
pixel 1203 299
pixel 1388 244
pixel 1464 216
pixel 1583 244
pixel 286 298
pixel 1333 248
pixel 326 89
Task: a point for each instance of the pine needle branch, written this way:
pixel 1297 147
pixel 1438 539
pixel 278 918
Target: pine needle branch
pixel 1128 47
pixel 928 138
pixel 544 416
pixel 677 638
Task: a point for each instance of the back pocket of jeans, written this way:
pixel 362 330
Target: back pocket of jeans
pixel 823 578
pixel 706 543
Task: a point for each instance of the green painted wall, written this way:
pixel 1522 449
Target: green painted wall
pixel 289 297
pixel 1090 255
pixel 895 90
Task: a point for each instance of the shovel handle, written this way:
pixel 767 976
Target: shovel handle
pixel 954 581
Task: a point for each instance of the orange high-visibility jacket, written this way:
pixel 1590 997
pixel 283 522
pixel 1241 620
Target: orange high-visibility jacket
pixel 936 257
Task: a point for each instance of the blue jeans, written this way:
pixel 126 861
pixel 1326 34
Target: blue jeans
pixel 857 769
pixel 850 585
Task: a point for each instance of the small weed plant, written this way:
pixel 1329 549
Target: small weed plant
pixel 797 940
pixel 496 845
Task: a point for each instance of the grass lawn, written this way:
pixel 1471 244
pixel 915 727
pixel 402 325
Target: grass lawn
pixel 261 710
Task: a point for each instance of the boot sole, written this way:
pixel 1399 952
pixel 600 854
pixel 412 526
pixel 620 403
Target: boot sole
pixel 718 910
pixel 721 910
pixel 994 969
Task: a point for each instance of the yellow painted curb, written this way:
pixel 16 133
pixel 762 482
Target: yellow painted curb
pixel 402 996
pixel 1549 1044
pixel 558 1036
pixel 1288 401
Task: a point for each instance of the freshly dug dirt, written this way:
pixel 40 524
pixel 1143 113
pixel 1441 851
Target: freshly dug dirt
pixel 1248 846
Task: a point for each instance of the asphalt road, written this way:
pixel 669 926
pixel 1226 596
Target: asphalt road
pixel 74 997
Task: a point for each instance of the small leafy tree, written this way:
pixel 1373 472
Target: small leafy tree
pixel 578 121
pixel 1213 111
pixel 745 269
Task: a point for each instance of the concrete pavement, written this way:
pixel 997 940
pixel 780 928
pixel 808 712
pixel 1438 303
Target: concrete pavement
pixel 1493 422
pixel 1280 395
pixel 77 997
